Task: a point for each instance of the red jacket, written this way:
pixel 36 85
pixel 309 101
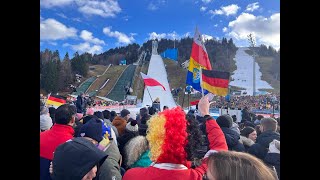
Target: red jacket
pixel 51 139
pixel 217 142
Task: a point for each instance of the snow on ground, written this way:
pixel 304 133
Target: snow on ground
pixel 158 72
pixel 243 75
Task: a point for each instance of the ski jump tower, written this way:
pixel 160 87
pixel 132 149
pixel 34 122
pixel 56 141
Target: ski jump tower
pixel 155 47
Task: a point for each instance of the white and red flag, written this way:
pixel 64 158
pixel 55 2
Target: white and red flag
pixel 148 81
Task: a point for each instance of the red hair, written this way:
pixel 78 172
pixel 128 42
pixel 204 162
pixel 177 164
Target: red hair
pixel 176 137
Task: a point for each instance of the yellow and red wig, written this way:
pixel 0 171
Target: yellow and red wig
pixel 168 137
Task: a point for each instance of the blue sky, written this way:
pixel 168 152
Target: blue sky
pixel 95 26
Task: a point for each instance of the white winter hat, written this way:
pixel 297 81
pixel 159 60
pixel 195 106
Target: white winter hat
pixel 132 126
pixel 45 122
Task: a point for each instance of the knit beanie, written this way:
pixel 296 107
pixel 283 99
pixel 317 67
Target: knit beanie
pixel 45 122
pixel 132 126
pixel 92 129
pixel 224 121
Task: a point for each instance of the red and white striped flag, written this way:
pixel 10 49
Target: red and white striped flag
pixel 148 81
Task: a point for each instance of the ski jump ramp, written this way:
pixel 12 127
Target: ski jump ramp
pixel 158 72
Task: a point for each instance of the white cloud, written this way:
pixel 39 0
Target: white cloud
pixel 107 8
pixel 53 43
pixel 62 15
pixel 226 10
pixel 133 34
pixel 152 7
pixel 216 25
pixel 266 30
pixel 85 47
pixel 187 34
pixel 76 19
pixel 206 1
pixel 51 29
pixel 53 3
pixel 203 8
pixel 206 37
pixel 122 38
pixel 225 29
pixel 173 35
pixel 155 4
pixel 154 35
pixel 252 7
pixel 87 36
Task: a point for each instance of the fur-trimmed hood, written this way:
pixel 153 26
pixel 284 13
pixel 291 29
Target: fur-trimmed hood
pixel 135 148
pixel 246 141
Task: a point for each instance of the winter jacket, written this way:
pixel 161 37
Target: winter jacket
pixel 247 143
pixel 80 104
pixel 120 124
pixel 110 169
pixel 122 141
pixel 49 141
pixel 235 127
pixel 164 171
pixel 136 152
pixel 143 161
pixel 260 148
pixel 232 138
pixel 273 159
pixel 143 129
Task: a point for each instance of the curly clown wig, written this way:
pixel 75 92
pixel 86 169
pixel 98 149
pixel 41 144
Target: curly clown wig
pixel 168 137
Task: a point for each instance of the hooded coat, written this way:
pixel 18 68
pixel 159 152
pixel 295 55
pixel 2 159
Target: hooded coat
pixel 260 148
pixel 232 138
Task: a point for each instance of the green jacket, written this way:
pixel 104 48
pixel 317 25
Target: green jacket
pixel 143 161
pixel 110 169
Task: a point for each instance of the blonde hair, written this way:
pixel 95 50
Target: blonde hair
pixel 155 135
pixel 232 165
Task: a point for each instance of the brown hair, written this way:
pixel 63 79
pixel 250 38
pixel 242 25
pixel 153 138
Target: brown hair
pixel 269 124
pixel 227 165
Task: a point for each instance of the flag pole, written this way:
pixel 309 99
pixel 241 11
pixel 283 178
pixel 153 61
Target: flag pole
pixel 184 93
pixel 45 104
pixel 149 94
pixel 201 81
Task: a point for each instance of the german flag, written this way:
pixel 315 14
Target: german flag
pixel 55 100
pixel 216 82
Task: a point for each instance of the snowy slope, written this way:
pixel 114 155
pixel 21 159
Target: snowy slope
pixel 157 71
pixel 243 75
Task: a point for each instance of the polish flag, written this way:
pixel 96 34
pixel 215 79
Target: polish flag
pixel 148 81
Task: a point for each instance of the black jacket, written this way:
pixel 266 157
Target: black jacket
pixel 260 148
pixel 80 104
pixel 273 159
pixel 232 138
